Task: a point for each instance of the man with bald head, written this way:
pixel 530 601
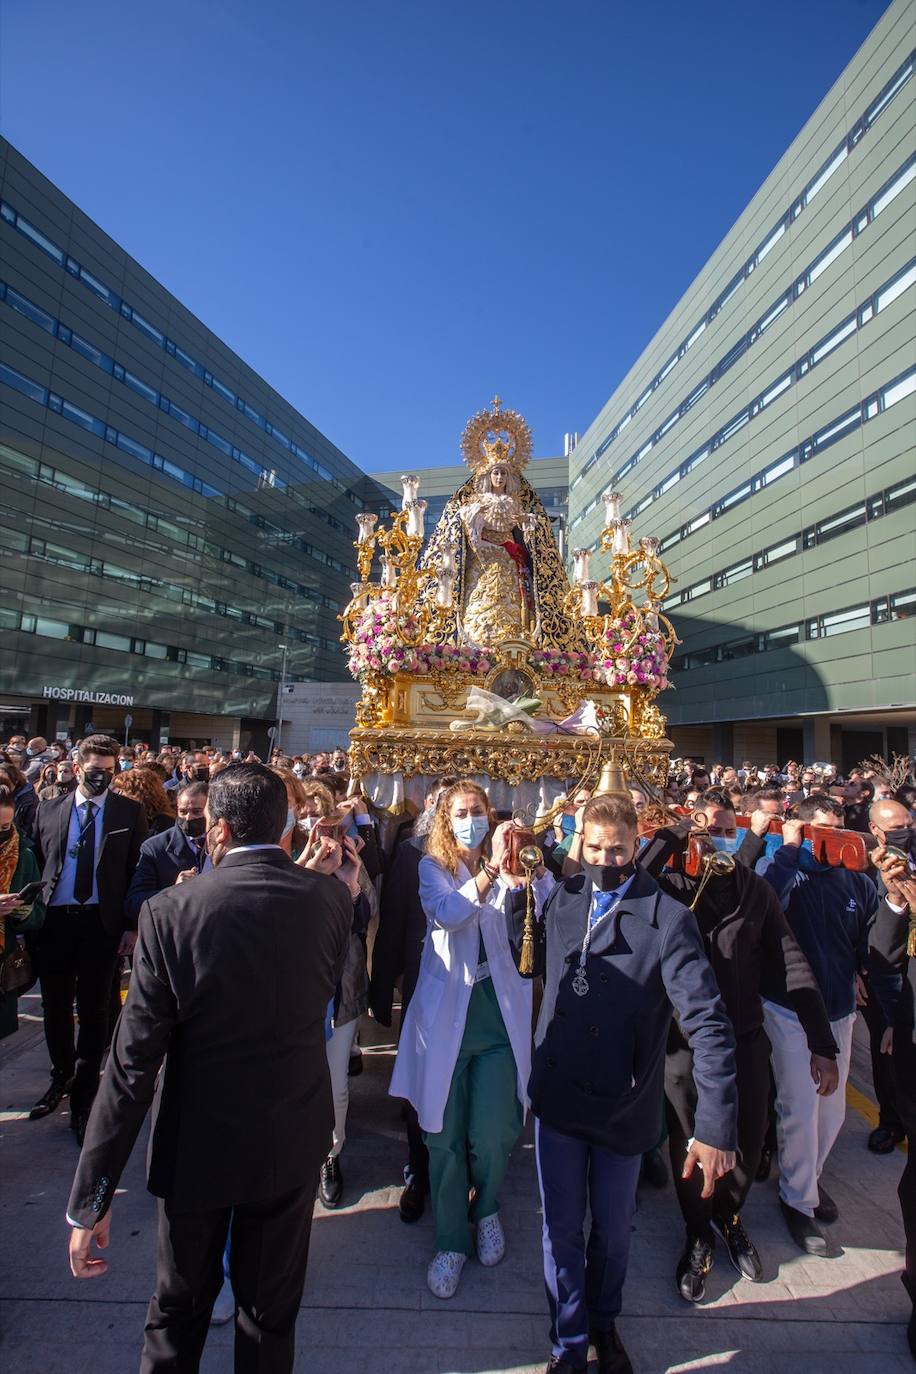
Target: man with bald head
pixel 892 826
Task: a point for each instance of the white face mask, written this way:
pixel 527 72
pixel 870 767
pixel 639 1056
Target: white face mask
pixel 290 822
pixel 307 822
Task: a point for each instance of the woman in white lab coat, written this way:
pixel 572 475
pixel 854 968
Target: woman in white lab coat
pixel 465 1049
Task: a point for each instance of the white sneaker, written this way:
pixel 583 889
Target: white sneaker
pixel 491 1243
pixel 224 1307
pixel 444 1273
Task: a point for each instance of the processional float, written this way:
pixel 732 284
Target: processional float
pixel 478 657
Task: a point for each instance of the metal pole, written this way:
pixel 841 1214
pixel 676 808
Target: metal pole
pixel 280 696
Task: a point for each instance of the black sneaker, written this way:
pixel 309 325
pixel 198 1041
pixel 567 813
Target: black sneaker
pixel 741 1250
pixel 412 1202
pixel 654 1168
pixel 765 1165
pixel 58 1089
pixel 330 1184
pixel 692 1268
pixel 826 1210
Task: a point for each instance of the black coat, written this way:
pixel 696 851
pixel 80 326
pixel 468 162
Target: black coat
pixel 232 977
pixel 123 831
pixel 748 941
pixel 162 858
pixel 599 1060
pixel 401 932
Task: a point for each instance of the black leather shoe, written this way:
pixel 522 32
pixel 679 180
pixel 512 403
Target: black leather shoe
pixel 78 1124
pixel 330 1184
pixel 58 1089
pixel 355 1065
pixel 826 1210
pixel 766 1163
pixel 741 1249
pixel 612 1357
pixel 557 1365
pixel 654 1168
pixel 412 1202
pixel 805 1231
pixel 883 1139
pixel 692 1268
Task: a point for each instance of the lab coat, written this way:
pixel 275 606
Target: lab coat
pixel 434 1024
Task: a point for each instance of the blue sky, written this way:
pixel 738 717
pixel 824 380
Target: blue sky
pixel 392 210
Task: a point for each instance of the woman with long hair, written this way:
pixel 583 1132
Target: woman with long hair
pixel 465 1050
pixel 144 786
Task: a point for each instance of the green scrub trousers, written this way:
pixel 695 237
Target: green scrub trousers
pixel 482 1121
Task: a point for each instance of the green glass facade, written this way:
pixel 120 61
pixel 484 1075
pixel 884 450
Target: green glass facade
pixel 169 522
pixel 766 435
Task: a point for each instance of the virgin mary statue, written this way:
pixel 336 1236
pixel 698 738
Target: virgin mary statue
pixel 510 583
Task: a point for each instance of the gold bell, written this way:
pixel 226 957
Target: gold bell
pixel 611 779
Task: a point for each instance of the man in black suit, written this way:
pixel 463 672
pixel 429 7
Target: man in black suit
pixel 617 955
pixel 87 844
pixel 195 767
pixel 181 849
pixel 232 978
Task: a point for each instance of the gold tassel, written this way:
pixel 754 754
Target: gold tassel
pixel 911 938
pixel 526 960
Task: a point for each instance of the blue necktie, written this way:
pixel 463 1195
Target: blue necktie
pixel 601 906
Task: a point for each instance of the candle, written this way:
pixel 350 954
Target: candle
pixel 650 546
pixel 359 592
pixel 612 500
pixel 411 486
pixel 416 511
pixel 621 536
pixel 589 598
pixel 389 572
pixel 367 524
pixel 580 565
pixel 651 620
pixel 444 590
pixel 447 557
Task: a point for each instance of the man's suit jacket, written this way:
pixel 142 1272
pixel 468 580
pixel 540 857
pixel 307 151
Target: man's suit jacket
pixel 124 829
pixel 401 932
pixel 233 973
pixel 599 1059
pixel 162 858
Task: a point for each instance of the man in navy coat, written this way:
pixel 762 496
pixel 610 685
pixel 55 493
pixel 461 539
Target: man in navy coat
pixel 180 849
pixel 617 955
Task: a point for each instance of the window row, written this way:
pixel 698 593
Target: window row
pixel 816 184
pixel 267 478
pixel 11 216
pixel 878 301
pixel 18 464
pixel 85 634
pixel 881 504
pixel 838 244
pixel 881 611
pixel 40 394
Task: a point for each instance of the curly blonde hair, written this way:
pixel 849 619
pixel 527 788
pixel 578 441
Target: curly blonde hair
pixel 142 785
pixel 322 795
pixel 441 844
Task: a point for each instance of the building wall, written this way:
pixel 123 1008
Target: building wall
pixel 169 521
pixel 766 432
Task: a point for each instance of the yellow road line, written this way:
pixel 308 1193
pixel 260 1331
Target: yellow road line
pixel 866 1108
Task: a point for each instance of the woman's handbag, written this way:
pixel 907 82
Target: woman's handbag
pixel 16 975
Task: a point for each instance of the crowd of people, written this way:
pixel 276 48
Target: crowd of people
pixel 639 999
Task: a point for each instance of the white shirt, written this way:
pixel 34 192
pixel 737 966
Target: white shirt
pixel 63 894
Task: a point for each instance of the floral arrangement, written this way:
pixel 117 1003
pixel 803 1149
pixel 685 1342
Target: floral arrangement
pixel 381 644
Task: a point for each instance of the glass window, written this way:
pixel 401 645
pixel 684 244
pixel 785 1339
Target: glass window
pixel 110 641
pixel 148 329
pixel 839 335
pixel 135 449
pixel 778 470
pixel 829 255
pixel 857 618
pixel 739 648
pixel 900 495
pixel 51 629
pixel 896 391
pixel 826 173
pixel 83 418
pixel 11 377
pixel 903 605
pixel 699 522
pixel 839 524
pixel 90 352
pixel 777 639
pixel 141 388
pixel 182 416
pixel 900 182
pixel 219 442
pixel 99 288
pixel 734 497
pixel 738 572
pixel 771 241
pixel 896 288
pixel 31 311
pixel 39 239
pixel 831 433
pixel 224 391
pixel 778 551
pixel 774 312
pixel 187 361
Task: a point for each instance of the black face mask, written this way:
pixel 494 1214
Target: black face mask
pixel 95 781
pixel 192 826
pixel 901 837
pixel 198 774
pixel 608 877
pixel 5 835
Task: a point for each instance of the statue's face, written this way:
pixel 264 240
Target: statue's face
pixel 498 477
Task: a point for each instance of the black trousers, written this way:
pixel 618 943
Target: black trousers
pixel 268 1254
pixel 904 1065
pixel 752 1057
pixel 417 1153
pixel 882 1068
pixel 76 957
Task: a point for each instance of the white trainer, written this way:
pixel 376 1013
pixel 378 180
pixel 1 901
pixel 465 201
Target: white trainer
pixel 444 1273
pixel 491 1243
pixel 224 1307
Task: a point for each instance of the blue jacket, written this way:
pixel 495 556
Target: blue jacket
pixel 599 1060
pixel 162 858
pixel 830 911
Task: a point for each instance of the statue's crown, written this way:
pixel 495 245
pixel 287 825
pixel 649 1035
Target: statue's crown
pixel 496 436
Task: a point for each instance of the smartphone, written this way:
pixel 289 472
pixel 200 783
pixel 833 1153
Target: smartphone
pixel 31 891
pixel 329 828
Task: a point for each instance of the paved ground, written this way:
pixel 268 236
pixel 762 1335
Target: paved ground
pixel 366 1305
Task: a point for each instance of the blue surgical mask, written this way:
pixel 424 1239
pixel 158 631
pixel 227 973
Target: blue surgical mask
pixel 471 831
pixel 125 765
pixel 727 843
pixel 290 822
